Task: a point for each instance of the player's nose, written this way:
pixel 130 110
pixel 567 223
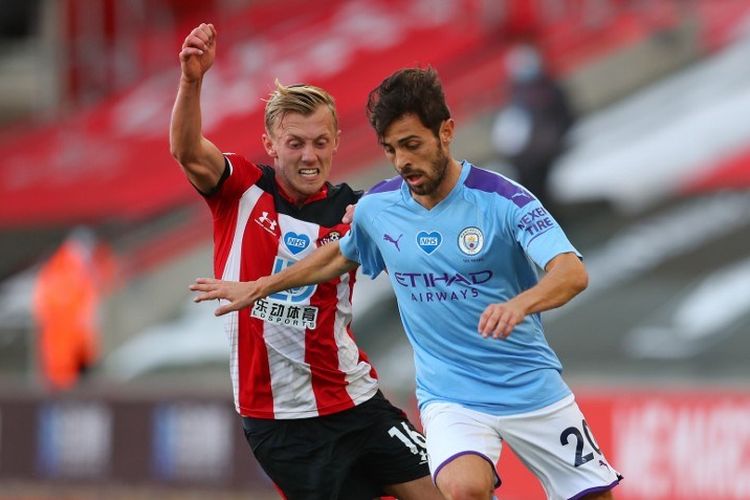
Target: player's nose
pixel 308 154
pixel 401 161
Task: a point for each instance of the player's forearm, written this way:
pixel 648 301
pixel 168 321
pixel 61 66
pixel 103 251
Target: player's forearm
pixel 324 264
pixel 566 277
pixel 185 135
pixel 201 160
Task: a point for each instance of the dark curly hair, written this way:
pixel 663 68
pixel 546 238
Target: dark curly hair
pixel 415 91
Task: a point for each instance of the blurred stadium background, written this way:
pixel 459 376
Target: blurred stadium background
pixel 653 189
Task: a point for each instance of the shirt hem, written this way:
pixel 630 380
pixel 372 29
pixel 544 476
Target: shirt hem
pixel 551 403
pixel 329 410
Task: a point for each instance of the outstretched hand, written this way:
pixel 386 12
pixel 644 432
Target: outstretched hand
pixel 198 52
pixel 240 294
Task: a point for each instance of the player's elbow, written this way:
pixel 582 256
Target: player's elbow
pixel 184 149
pixel 570 272
pixel 191 162
pixel 579 280
pixel 183 155
pixel 176 154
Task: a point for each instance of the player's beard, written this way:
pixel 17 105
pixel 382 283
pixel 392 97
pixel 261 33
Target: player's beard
pixel 437 174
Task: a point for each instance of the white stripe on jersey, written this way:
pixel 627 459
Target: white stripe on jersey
pixel 291 377
pixel 232 272
pixel 357 375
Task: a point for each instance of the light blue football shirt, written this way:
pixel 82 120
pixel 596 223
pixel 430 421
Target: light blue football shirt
pixel 478 246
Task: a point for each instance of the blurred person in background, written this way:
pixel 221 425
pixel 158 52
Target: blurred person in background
pixel 529 131
pixel 460 245
pixel 67 296
pixel 309 398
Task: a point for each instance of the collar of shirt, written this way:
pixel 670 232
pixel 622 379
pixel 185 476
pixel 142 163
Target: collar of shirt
pixel 320 195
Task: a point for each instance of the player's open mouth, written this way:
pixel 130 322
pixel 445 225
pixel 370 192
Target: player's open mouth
pixel 413 178
pixel 309 172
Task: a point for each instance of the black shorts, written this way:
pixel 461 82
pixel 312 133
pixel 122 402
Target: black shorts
pixel 349 455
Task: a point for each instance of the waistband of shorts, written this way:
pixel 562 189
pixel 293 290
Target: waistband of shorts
pixel 378 396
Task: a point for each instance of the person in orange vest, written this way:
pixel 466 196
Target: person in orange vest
pixel 67 295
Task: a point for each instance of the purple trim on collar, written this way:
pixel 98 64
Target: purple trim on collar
pixel 392 184
pixel 597 489
pixel 493 183
pixel 498 481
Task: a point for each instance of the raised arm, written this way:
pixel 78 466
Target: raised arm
pixel 199 158
pixel 324 264
pixel 566 277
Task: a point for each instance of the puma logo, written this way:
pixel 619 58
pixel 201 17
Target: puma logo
pixel 387 237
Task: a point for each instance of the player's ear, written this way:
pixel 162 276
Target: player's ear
pixel 336 141
pixel 269 146
pixel 446 131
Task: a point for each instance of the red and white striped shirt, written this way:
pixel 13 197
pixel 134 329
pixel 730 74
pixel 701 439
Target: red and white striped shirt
pixel 292 355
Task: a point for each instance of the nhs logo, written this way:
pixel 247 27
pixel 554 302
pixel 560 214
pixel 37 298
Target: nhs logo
pixel 429 242
pixel 296 242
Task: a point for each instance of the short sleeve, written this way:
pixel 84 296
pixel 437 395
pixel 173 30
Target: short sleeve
pixel 357 245
pixel 539 234
pixel 240 175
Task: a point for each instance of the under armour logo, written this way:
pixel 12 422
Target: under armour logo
pixel 267 223
pixel 387 237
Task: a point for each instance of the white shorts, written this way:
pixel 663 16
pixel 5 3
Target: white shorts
pixel 555 443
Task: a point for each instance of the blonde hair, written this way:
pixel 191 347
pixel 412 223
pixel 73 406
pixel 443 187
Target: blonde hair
pixel 298 98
